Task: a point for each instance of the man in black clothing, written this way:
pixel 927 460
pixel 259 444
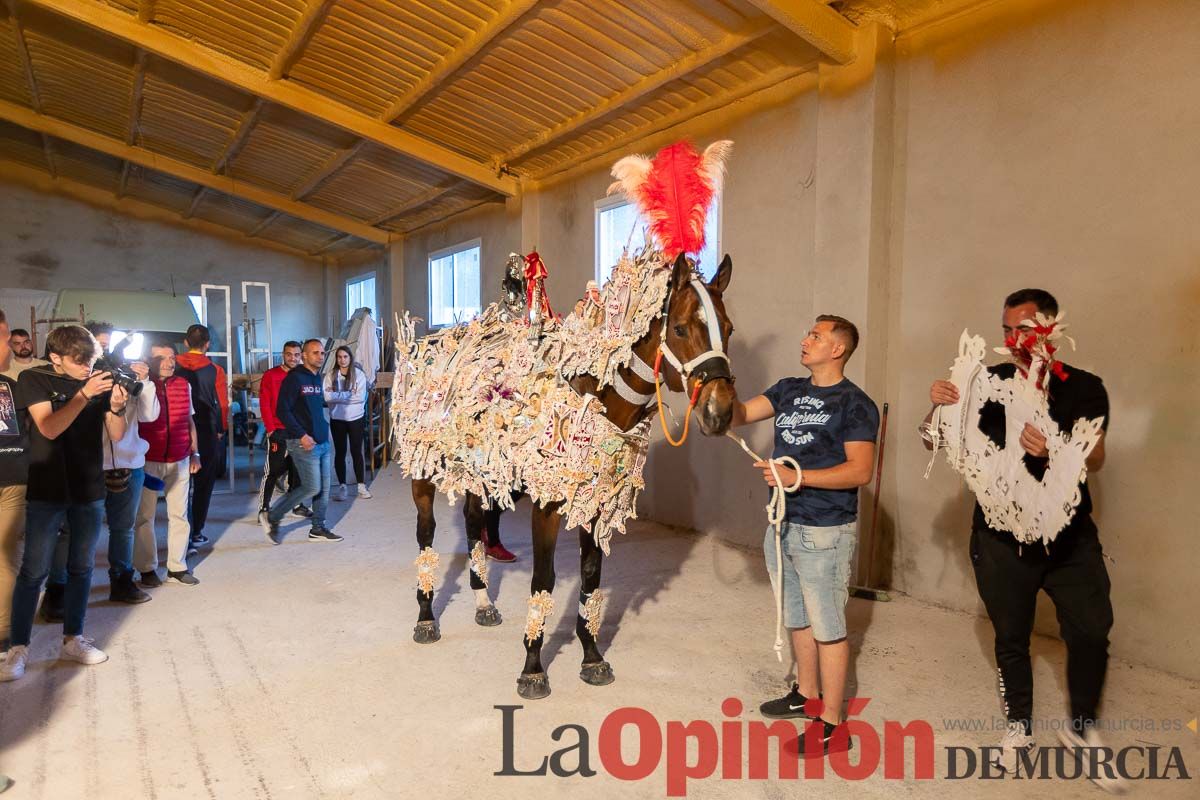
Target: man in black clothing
pixel 67 408
pixel 1070 568
pixel 210 400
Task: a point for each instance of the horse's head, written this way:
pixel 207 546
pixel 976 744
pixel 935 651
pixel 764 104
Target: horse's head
pixel 695 336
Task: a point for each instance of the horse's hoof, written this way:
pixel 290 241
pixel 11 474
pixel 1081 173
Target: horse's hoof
pixel 488 617
pixel 534 686
pixel 426 632
pixel 598 674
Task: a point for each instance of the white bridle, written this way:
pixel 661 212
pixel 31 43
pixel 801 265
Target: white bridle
pixel 709 315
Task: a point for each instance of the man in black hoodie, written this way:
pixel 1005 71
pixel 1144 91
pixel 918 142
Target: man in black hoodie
pixel 301 409
pixel 210 399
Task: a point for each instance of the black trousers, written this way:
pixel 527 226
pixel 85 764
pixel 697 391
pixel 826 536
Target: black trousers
pixel 278 463
pixel 211 458
pixel 352 432
pixel 1009 576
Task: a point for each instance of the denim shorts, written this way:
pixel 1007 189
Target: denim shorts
pixel 816 576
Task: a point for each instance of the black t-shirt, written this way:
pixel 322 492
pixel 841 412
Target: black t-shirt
pixel 69 469
pixel 812 425
pixel 14 437
pixel 1080 396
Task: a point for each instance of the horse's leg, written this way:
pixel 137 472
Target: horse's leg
pixel 486 614
pixel 426 631
pixel 595 669
pixel 533 683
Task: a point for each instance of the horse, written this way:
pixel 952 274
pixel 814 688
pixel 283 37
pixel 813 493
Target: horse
pixel 691 329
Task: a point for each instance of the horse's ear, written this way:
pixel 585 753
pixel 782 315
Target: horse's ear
pixel 720 281
pixel 681 273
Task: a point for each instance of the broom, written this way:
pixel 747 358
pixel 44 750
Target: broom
pixel 865 592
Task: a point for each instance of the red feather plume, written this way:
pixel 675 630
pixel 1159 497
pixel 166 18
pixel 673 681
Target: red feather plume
pixel 674 191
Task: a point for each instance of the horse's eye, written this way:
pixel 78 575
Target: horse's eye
pixel 680 330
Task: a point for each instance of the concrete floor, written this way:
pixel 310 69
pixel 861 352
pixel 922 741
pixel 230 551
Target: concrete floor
pixel 290 672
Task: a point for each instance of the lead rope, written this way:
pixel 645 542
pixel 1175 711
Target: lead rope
pixel 776 513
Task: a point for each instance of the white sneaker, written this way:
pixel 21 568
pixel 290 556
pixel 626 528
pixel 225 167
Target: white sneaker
pixel 1014 741
pixel 362 492
pixel 79 648
pixel 1078 747
pixel 340 492
pixel 13 665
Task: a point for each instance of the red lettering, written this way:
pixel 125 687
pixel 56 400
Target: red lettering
pixel 731 740
pixel 760 735
pixel 649 743
pixel 678 768
pixel 893 749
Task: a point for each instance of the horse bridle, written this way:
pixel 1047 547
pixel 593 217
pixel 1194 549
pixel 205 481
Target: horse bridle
pixel 713 363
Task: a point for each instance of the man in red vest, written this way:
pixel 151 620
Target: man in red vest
pixel 171 460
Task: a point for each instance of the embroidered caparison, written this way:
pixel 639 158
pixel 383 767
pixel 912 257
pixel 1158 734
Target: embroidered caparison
pixel 486 408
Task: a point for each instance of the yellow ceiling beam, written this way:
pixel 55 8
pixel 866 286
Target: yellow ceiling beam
pixel 752 95
pixel 135 97
pixel 314 14
pixel 240 75
pixel 23 55
pixel 815 23
pixel 40 181
pixel 326 171
pixel 645 86
pixel 428 196
pixel 50 126
pixel 457 59
pixel 239 136
pixel 145 10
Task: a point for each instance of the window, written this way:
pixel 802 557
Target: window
pixel 196 304
pixel 360 293
pixel 618 223
pixel 454 284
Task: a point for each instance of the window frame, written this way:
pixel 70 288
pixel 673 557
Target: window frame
pixel 374 274
pixel 616 201
pixel 436 255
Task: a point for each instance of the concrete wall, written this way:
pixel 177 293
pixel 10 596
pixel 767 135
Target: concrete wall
pixel 1025 144
pixel 49 241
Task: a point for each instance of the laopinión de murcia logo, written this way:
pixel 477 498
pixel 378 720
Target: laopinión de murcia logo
pixel 736 749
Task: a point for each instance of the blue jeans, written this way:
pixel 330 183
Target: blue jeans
pixel 314 467
pixel 816 576
pixel 42 522
pixel 121 509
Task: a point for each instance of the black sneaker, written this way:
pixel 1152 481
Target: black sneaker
pixel 323 534
pixel 53 602
pixel 826 733
pixel 790 706
pixel 302 511
pixel 186 578
pixel 198 540
pixel 271 529
pixel 150 580
pixel 124 590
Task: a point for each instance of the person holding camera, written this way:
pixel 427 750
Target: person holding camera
pixel 172 458
pixel 124 473
pixel 68 408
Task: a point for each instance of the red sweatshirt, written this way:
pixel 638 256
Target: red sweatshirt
pixel 268 397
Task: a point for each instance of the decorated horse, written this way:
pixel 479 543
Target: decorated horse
pixel 517 401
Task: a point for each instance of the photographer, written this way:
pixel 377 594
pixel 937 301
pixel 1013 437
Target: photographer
pixel 124 473
pixel 68 409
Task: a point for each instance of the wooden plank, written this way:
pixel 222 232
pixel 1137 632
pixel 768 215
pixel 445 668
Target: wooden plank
pixel 135 97
pixel 815 23
pixel 239 136
pixel 27 118
pixel 469 49
pixel 326 171
pixel 240 75
pixel 312 18
pixel 427 196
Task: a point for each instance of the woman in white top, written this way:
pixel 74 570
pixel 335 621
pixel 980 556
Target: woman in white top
pixel 346 395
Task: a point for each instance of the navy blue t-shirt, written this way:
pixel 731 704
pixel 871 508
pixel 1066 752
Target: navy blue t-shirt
pixel 812 425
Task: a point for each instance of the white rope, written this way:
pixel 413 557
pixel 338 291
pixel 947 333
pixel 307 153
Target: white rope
pixel 776 515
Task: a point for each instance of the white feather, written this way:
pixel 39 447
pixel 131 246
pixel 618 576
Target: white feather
pixel 712 162
pixel 630 173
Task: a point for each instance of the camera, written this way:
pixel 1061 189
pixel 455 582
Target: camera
pixel 122 375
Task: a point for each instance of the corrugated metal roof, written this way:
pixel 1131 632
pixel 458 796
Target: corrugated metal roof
pixel 397 113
